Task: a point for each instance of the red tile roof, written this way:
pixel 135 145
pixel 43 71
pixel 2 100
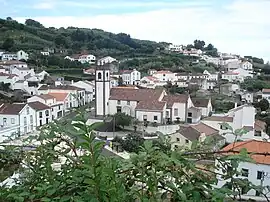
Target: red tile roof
pixel 219 118
pixel 252 146
pixel 63 87
pixel 38 106
pixel 265 90
pixel 12 109
pixel 171 99
pixel 59 96
pixel 46 96
pixel 203 128
pixel 163 72
pixel 132 94
pixel 151 105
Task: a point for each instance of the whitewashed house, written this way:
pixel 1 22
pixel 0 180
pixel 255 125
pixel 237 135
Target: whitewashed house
pixel 105 60
pixel 239 117
pixel 57 108
pixel 45 53
pixel 19 116
pixel 21 55
pixel 184 137
pixel 237 75
pixel 88 87
pixel 265 94
pixel 204 104
pixel 175 48
pixel 257 171
pixel 8 65
pixel 151 82
pixel 65 99
pixel 77 95
pixel 131 77
pixel 22 72
pixel 165 76
pixel 90 59
pixel 9 56
pixel 43 113
pixel 246 65
pixel 210 76
pixel 8 78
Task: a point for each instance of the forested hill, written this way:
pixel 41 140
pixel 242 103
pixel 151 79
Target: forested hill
pixel 33 36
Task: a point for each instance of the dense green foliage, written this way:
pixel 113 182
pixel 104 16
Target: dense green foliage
pixel 33 36
pixel 150 175
pixel 254 85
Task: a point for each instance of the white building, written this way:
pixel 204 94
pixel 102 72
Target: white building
pixel 184 137
pixel 165 76
pixel 175 48
pixel 151 82
pixel 21 55
pixel 22 72
pixel 239 117
pixel 131 77
pixel 91 59
pixel 204 104
pixel 102 88
pixel 43 113
pixel 57 108
pixel 237 75
pixel 265 94
pixel 9 56
pixel 246 65
pixel 45 53
pixel 76 99
pixel 19 116
pixel 88 87
pixel 8 65
pixel 256 172
pixel 105 60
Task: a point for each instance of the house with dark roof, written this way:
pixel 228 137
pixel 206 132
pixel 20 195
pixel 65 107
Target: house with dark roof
pixel 152 105
pixel 256 171
pixel 43 113
pixel 20 117
pixel 204 104
pixel 184 137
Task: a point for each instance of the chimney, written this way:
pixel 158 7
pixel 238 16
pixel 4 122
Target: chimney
pixel 235 105
pixel 72 81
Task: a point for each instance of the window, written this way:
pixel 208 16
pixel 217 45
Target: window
pixel 27 110
pixel 40 122
pixel 47 112
pixel 145 117
pixel 222 127
pixel 187 141
pixel 244 172
pixel 4 121
pixel 175 112
pixel 12 120
pixel 178 139
pixel 164 75
pixel 258 133
pixel 31 119
pixel 128 102
pixel 25 121
pixel 118 109
pixel 118 102
pixel 47 120
pixel 167 113
pixel 155 118
pixel 107 75
pixel 259 175
pixel 59 107
pixel 99 75
pixel 40 114
pixel 189 114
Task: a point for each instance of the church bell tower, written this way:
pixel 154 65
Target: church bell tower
pixel 102 84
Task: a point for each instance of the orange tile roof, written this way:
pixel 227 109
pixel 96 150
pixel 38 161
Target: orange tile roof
pixel 253 146
pixel 219 118
pixel 265 90
pixel 59 96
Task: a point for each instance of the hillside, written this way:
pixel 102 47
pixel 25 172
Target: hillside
pixel 33 36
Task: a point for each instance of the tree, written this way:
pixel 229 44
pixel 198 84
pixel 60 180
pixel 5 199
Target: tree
pixel 263 105
pixel 122 119
pixel 87 173
pixel 8 44
pixel 33 23
pixel 132 142
pixel 198 44
pixel 60 40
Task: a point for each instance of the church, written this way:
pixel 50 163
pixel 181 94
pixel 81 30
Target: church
pixel 152 105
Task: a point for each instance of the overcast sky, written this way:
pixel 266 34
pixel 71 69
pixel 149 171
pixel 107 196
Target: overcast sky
pixel 233 26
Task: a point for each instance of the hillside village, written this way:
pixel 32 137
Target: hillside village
pixel 184 106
